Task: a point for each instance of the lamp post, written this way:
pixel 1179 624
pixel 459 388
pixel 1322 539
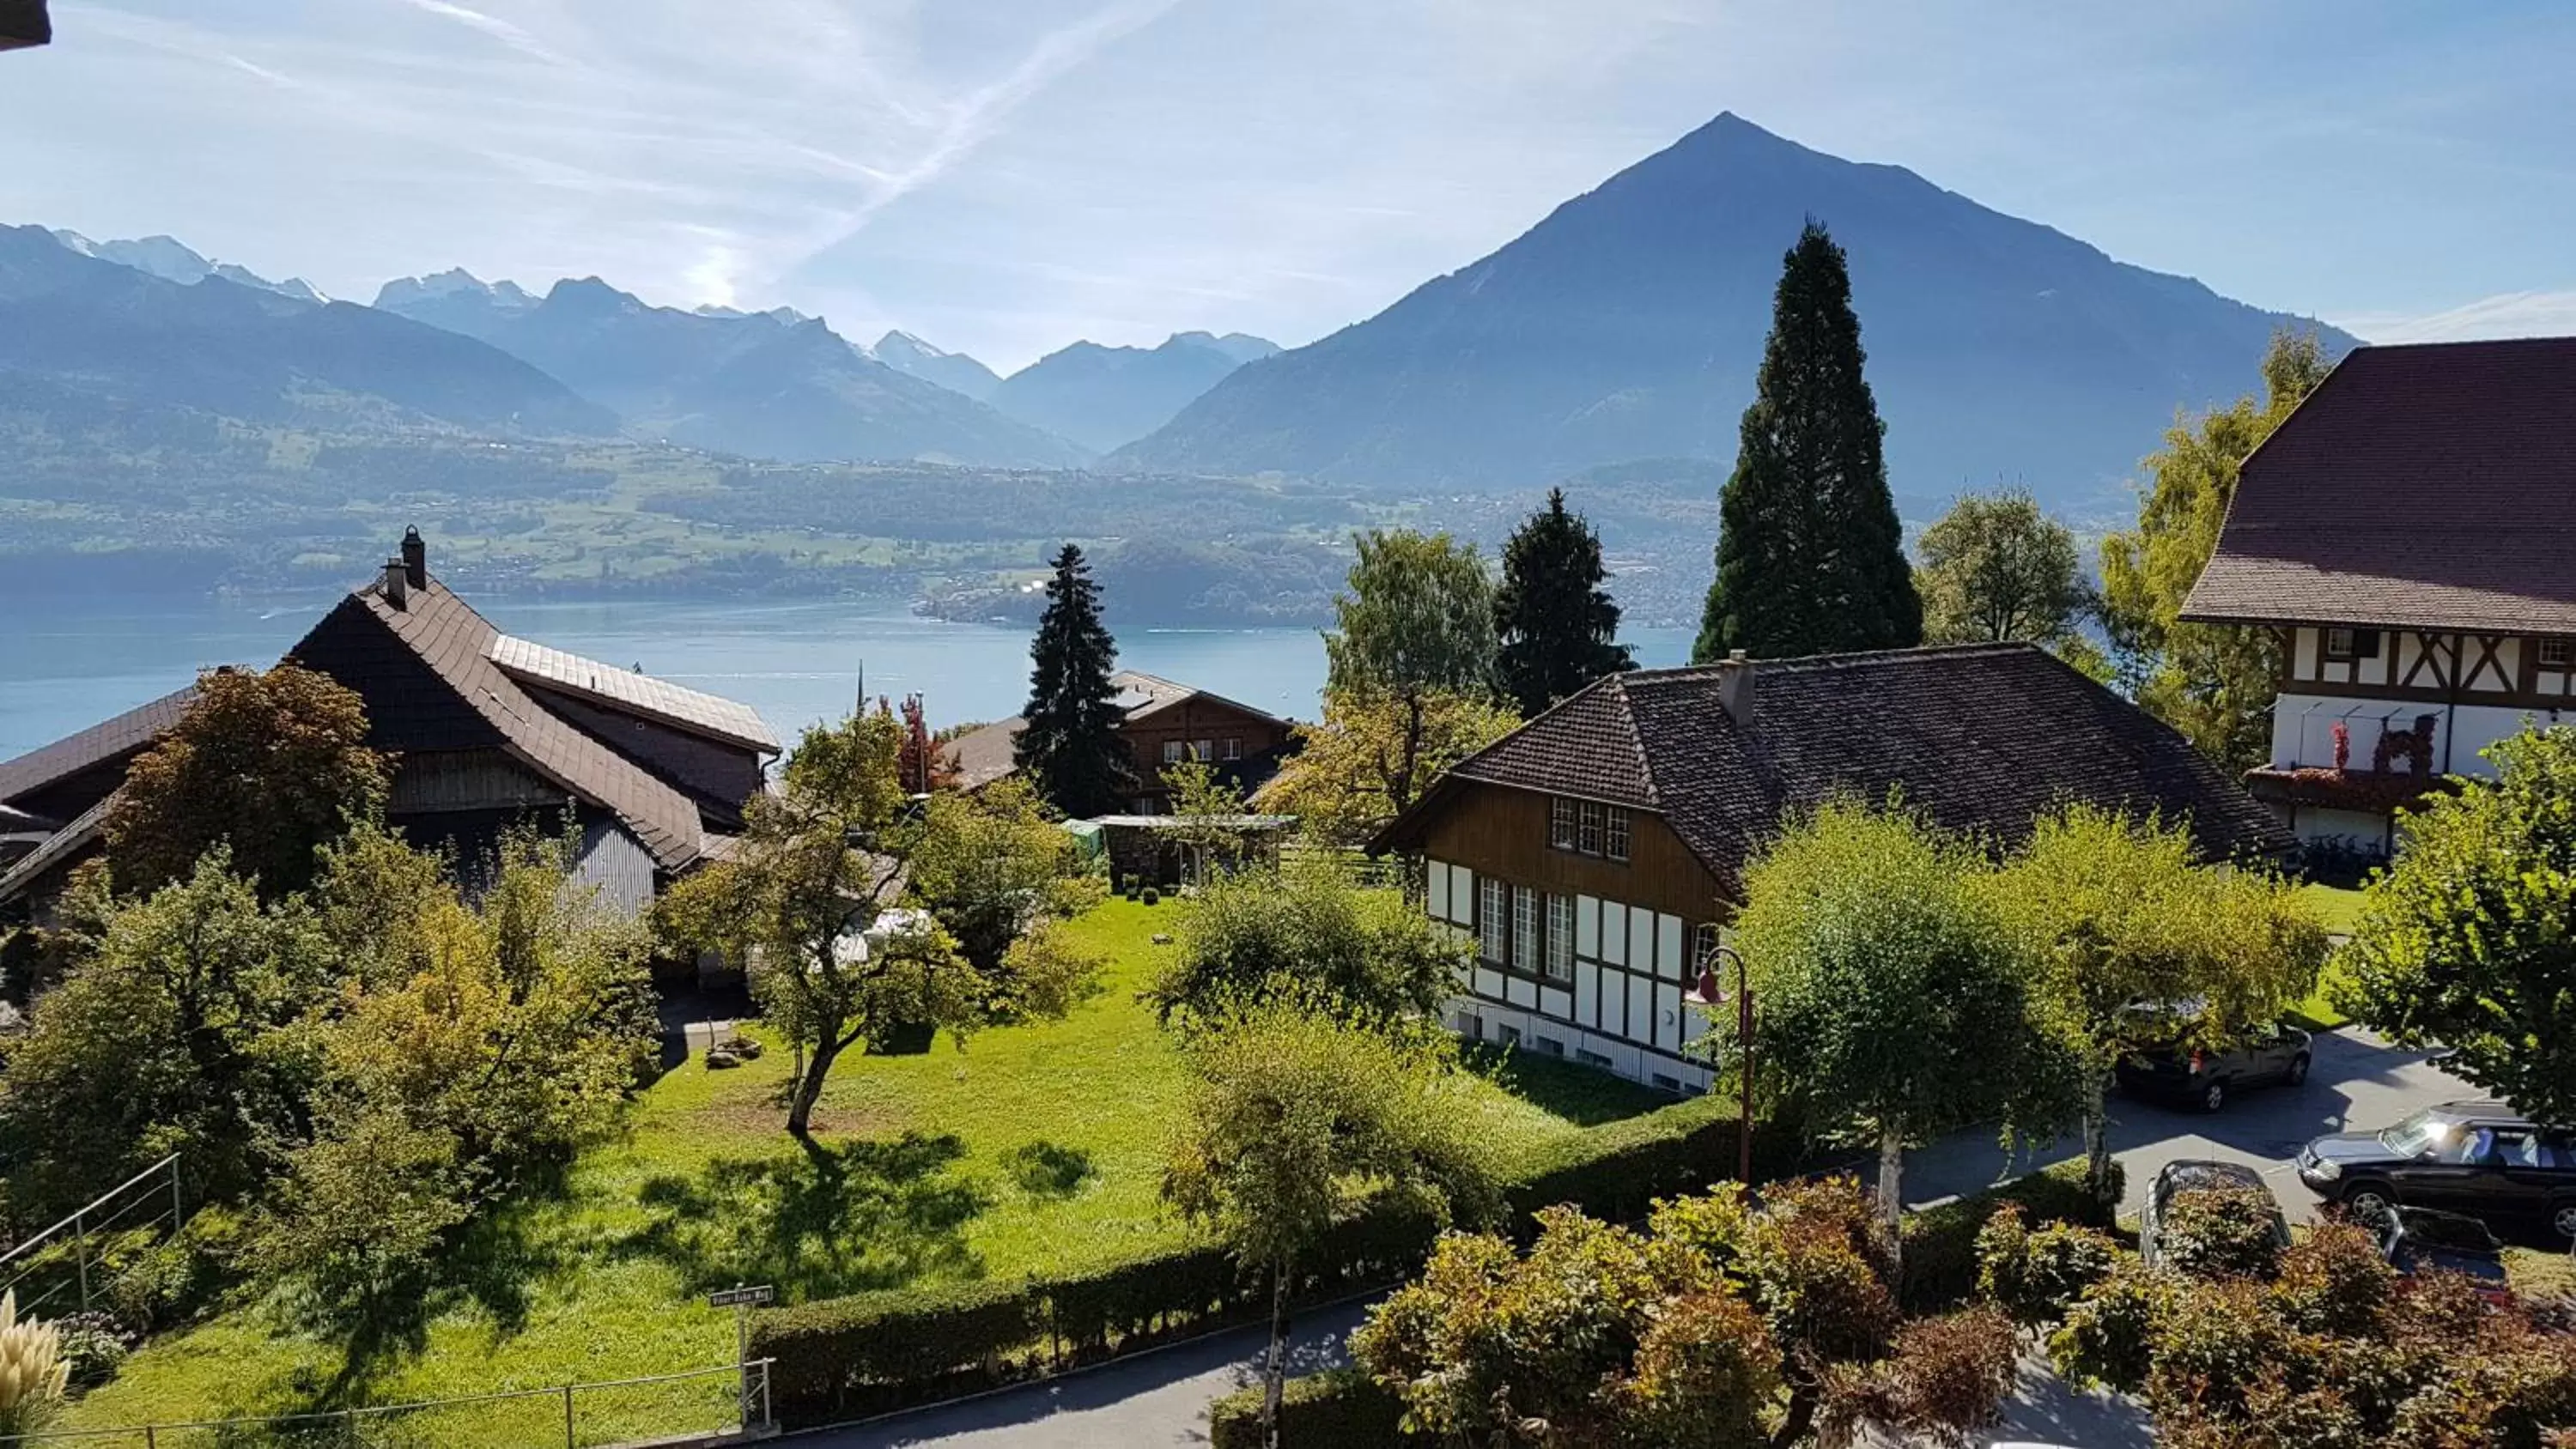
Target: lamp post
pixel 1710 994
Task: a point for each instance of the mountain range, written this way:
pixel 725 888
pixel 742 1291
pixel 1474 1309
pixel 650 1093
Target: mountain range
pixel 1102 397
pixel 1629 322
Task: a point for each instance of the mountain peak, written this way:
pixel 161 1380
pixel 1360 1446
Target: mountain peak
pixel 955 371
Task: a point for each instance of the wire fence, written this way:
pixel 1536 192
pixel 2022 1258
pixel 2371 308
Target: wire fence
pixel 82 1259
pixel 733 1398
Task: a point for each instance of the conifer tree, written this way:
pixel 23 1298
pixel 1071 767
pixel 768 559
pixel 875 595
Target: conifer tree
pixel 1810 557
pixel 1556 626
pixel 1071 749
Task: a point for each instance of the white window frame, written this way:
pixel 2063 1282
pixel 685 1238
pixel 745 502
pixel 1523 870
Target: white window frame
pixel 1203 751
pixel 1561 812
pixel 1559 960
pixel 1588 832
pixel 1525 930
pixel 1493 920
pixel 1172 752
pixel 1234 747
pixel 1615 833
pixel 2564 648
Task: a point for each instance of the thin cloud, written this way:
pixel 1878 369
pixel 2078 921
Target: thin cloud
pixel 2507 314
pixel 493 26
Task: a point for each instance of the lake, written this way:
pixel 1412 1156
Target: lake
pixel 795 662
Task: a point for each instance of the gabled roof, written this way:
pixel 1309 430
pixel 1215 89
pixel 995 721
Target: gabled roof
pixel 127 734
pixel 630 692
pixel 431 659
pixel 2429 486
pixel 63 845
pixel 1141 694
pixel 987 754
pixel 1981 737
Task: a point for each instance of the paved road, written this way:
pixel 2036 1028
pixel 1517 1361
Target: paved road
pixel 1161 1399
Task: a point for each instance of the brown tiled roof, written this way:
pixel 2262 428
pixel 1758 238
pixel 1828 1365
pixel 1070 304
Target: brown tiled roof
pixel 987 754
pixel 127 734
pixel 1982 738
pixel 2429 487
pixel 427 672
pixel 629 692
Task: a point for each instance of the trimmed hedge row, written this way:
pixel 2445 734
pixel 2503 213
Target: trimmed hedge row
pixel 1941 1242
pixel 874 1352
pixel 1336 1409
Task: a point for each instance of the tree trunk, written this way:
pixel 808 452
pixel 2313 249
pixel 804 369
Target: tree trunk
pixel 809 1085
pixel 1891 1192
pixel 2097 1147
pixel 1274 1373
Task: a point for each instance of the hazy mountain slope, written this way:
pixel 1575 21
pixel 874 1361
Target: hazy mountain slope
pixel 114 334
pixel 757 385
pixel 954 371
pixel 1102 397
pixel 173 260
pixel 1628 324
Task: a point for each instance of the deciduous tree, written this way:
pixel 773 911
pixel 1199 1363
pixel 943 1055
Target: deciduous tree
pixel 1810 557
pixel 1556 627
pixel 273 765
pixel 994 869
pixel 2214 682
pixel 1374 755
pixel 2112 911
pixel 1297 1119
pixel 1997 568
pixel 1071 748
pixel 1309 930
pixel 2469 938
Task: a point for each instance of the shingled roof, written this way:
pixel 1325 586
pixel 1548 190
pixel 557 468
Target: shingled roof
pixel 127 734
pixel 1982 738
pixel 425 664
pixel 2427 487
pixel 984 755
pixel 631 692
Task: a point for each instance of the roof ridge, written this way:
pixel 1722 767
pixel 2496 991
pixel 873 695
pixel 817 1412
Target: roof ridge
pixel 1844 658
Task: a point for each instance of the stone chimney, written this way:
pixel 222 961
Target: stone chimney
pixel 1735 688
pixel 415 559
pixel 397 588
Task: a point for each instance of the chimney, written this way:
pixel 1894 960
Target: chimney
pixel 397 589
pixel 415 559
pixel 1735 688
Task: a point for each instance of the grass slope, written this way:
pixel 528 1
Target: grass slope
pixel 1038 1146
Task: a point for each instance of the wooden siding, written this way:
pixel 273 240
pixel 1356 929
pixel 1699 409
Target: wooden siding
pixel 1500 831
pixel 1189 720
pixel 2427 667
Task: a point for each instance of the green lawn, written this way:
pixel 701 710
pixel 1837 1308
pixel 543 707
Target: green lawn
pixel 2338 907
pixel 1037 1147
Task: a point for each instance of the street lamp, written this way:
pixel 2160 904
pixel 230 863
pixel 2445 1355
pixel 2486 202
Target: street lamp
pixel 1710 994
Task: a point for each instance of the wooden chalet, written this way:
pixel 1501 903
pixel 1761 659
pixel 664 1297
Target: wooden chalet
pixel 1164 723
pixel 485 730
pixel 1594 853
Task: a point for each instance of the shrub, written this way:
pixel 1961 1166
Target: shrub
pixel 1616 1171
pixel 2108 1338
pixel 2035 1276
pixel 1941 1242
pixel 2222 1232
pixel 873 1350
pixel 1096 1311
pixel 1947 1377
pixel 94 1346
pixel 1336 1409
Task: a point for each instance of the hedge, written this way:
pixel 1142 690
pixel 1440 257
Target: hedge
pixel 873 1352
pixel 1337 1409
pixel 1941 1242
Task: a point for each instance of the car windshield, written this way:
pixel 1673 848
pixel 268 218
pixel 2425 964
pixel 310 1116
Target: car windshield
pixel 2418 1135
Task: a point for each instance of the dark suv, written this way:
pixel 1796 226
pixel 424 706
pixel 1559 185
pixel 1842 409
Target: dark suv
pixel 2479 1158
pixel 2205 1079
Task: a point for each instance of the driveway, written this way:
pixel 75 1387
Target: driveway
pixel 2355 1082
pixel 1161 1399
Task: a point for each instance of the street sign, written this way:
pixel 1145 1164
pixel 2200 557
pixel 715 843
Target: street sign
pixel 740 1297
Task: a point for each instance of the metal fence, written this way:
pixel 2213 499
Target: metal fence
pixel 80 1260
pixel 731 1399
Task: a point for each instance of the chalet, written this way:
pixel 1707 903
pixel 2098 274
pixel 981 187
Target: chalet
pixel 1163 723
pixel 485 729
pixel 2407 532
pixel 1594 853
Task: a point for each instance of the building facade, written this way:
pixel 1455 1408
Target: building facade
pixel 1595 855
pixel 1163 723
pixel 2405 536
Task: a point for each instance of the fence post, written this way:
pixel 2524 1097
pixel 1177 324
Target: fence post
pixel 80 1254
pixel 178 1209
pixel 568 1435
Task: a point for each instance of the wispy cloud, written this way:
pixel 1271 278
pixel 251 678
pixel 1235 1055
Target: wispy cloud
pixel 2507 314
pixel 491 25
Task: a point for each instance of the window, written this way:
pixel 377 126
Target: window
pixel 1704 946
pixel 1525 929
pixel 1615 836
pixel 1560 937
pixel 1234 747
pixel 1469 1025
pixel 2557 653
pixel 1203 749
pixel 1171 752
pixel 1560 823
pixel 1508 1035
pixel 1592 1059
pixel 2352 643
pixel 1493 927
pixel 1588 835
pixel 1548 1046
pixel 1668 1084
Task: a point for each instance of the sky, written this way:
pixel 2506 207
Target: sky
pixel 1002 177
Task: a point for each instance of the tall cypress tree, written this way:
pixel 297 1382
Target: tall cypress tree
pixel 1556 626
pixel 1810 557
pixel 1071 749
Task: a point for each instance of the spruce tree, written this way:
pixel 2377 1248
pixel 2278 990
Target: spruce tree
pixel 1071 748
pixel 1810 557
pixel 1556 626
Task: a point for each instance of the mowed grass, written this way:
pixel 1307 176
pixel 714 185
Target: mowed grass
pixel 1037 1147
pixel 2337 906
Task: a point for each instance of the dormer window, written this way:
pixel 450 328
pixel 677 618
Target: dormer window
pixel 2349 644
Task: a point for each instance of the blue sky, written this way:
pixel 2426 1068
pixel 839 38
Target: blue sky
pixel 1003 176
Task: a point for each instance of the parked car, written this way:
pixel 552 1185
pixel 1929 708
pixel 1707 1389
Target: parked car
pixel 2424 1240
pixel 2271 1053
pixel 2191 1174
pixel 2479 1158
